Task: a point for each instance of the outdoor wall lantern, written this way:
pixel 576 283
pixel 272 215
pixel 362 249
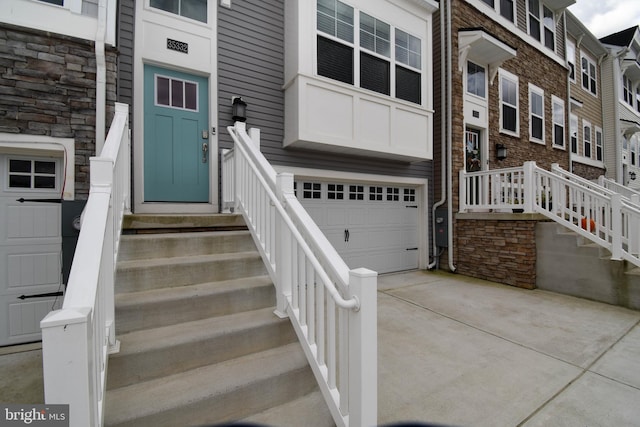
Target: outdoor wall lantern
pixel 238 109
pixel 632 176
pixel 501 152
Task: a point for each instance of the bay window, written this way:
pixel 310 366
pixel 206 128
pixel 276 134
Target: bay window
pixel 365 57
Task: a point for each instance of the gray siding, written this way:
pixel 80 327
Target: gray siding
pixel 124 42
pixel 251 65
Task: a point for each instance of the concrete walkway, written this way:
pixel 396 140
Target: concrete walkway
pixel 464 352
pixel 460 351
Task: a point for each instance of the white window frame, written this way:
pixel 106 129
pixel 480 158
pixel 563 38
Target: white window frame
pixel 574 126
pixel 32 174
pixel 628 91
pixel 535 91
pixel 599 144
pixel 392 58
pixel 558 103
pixel 505 75
pixel 593 79
pixel 587 139
pixel 514 10
pixel 551 29
pixel 571 60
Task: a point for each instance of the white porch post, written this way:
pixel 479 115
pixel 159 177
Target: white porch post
pixel 634 229
pixel 67 352
pixel 616 226
pixel 363 349
pixel 462 197
pixel 529 186
pixel 284 187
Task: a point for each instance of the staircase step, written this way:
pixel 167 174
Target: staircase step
pixel 168 306
pixel 296 413
pixel 153 223
pixel 227 391
pixel 147 246
pixel 139 275
pixel 152 353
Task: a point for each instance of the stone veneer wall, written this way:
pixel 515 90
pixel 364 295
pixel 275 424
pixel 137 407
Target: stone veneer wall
pixel 48 87
pixel 498 247
pixel 586 171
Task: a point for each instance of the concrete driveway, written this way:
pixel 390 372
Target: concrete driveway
pixel 465 352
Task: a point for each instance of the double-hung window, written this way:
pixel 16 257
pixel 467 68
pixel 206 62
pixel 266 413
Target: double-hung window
pixel 573 131
pixel 385 59
pixel 507 9
pixel 542 25
pixel 557 105
pixel 599 147
pixel 589 77
pixel 638 99
pixel 571 60
pixel 56 2
pixel 476 79
pixel 549 22
pixel 509 120
pixel 586 139
pixel 536 116
pixel 627 90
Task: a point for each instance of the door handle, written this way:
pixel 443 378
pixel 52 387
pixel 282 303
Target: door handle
pixel 205 150
pixel 346 235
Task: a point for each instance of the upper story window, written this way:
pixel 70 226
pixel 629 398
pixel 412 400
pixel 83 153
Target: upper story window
pixel 638 99
pixel 56 2
pixel 599 148
pixel 476 79
pixel 627 90
pixel 586 139
pixel 589 77
pixel 542 26
pixel 573 133
pixel 509 120
pixel 536 109
pixel 193 9
pixel 506 8
pixel 557 105
pixel 373 66
pixel 571 60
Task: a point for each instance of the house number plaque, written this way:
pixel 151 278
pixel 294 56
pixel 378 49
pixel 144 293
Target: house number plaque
pixel 177 46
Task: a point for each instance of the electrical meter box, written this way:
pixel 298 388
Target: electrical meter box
pixel 442 227
pixel 71 211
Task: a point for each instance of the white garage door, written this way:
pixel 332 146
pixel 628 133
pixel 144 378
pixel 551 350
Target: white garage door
pixel 370 225
pixel 30 245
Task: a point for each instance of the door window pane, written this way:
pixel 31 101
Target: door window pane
pixel 193 9
pixel 190 96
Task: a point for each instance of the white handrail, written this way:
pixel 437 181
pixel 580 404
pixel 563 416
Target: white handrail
pixel 77 339
pixel 332 308
pixel 610 184
pixel 596 213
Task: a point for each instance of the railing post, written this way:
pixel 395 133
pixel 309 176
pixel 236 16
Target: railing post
pixel 462 197
pixel 529 186
pixel 363 349
pixel 238 184
pixel 616 226
pixel 634 228
pixel 284 188
pixel 66 361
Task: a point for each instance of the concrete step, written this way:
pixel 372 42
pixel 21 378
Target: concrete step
pixel 140 275
pixel 154 353
pixel 224 392
pixel 148 246
pixel 154 223
pixel 168 306
pixel 296 413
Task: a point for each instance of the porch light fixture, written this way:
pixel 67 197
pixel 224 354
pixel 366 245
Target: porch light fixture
pixel 632 176
pixel 238 109
pixel 501 152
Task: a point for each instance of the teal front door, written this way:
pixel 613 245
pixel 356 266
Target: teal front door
pixel 176 137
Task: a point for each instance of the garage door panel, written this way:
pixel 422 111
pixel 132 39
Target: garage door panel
pixel 33 221
pixel 33 269
pixel 336 215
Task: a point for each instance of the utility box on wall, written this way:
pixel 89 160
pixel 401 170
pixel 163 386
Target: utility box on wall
pixel 71 211
pixel 442 227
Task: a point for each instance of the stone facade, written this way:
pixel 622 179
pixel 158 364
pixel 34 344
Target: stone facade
pixel 48 87
pixel 498 247
pixel 501 249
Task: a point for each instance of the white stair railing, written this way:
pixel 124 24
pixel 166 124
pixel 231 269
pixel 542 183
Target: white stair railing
pixel 77 339
pixel 610 184
pixel 333 309
pixel 596 213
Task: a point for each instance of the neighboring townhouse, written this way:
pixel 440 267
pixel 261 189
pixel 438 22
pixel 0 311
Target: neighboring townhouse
pixel 505 87
pixel 621 98
pixel 341 91
pixel 587 143
pixel 57 89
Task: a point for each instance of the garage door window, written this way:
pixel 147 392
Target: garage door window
pixel 409 194
pixel 375 193
pixel 335 192
pixel 393 194
pixel 311 190
pixel 32 174
pixel 356 192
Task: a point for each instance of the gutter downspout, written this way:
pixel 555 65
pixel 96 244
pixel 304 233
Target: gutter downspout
pixel 443 152
pixel 564 17
pixel 101 76
pixel 452 267
pixel 617 75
